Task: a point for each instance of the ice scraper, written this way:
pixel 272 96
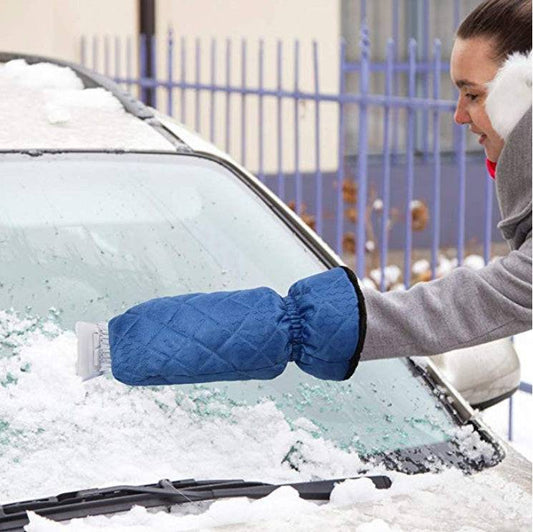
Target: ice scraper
pixel 225 336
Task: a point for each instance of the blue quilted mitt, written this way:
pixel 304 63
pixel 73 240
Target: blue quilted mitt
pixel 247 334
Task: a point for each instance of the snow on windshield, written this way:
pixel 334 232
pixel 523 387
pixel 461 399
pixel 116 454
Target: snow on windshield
pixel 59 434
pixel 44 106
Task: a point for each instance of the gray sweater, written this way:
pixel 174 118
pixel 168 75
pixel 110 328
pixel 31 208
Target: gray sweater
pixel 466 307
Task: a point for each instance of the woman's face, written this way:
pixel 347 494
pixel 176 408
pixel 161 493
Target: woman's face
pixel 471 67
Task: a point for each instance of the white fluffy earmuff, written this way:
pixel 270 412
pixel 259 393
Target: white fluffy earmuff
pixel 509 95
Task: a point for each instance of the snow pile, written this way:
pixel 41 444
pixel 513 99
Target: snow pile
pixel 445 265
pixel 355 491
pixel 472 445
pixel 44 106
pixel 448 501
pixel 99 433
pixel 377 205
pixel 367 283
pixel 416 204
pixel 370 246
pixel 391 274
pixel 421 272
pixel 39 76
pixel 420 267
pixel 474 262
pixel 16 332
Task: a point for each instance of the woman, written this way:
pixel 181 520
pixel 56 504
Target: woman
pixel 473 307
pixel 321 324
pixel 482 45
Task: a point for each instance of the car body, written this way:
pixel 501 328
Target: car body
pixel 155 210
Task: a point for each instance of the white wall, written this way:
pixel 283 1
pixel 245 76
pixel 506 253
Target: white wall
pixel 306 20
pixel 54 27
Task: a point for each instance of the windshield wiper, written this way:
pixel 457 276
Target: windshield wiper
pixel 165 493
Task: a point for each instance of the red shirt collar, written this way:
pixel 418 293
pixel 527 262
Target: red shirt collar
pixel 491 168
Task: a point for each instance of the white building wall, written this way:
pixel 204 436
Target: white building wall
pixel 286 20
pixel 54 27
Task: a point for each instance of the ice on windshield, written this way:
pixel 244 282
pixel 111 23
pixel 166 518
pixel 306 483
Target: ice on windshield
pixel 44 106
pixel 75 254
pixel 58 433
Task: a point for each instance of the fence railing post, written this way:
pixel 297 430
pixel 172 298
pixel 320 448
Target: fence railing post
pixel 260 118
pixel 170 71
pixel 212 100
pixel 318 171
pixel 183 80
pixel 118 62
pixel 297 173
pixel 95 53
pixel 279 101
pixel 83 50
pixel 106 55
pixel 363 12
pixel 362 155
pixel 129 76
pixel 395 80
pixel 385 194
pixel 435 241
pixel 339 215
pixel 142 67
pixel 197 92
pixel 243 102
pixel 228 95
pixel 152 101
pixel 409 188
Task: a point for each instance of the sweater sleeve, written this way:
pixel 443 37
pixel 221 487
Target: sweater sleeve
pixel 465 308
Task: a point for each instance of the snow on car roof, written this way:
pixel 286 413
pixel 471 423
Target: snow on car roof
pixel 45 106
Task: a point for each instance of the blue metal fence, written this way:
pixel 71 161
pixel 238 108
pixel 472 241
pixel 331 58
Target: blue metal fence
pixel 366 103
pixel 424 112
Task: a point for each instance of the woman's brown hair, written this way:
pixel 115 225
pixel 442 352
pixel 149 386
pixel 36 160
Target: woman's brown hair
pixel 506 22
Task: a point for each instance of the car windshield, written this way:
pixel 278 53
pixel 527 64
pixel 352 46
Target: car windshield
pixel 86 236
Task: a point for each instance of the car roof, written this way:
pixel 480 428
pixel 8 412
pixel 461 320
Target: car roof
pixel 50 104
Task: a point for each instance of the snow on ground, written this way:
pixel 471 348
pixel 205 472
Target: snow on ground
pixel 420 270
pixel 47 107
pixel 391 274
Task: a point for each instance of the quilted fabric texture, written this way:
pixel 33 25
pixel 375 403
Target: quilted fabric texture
pixel 241 335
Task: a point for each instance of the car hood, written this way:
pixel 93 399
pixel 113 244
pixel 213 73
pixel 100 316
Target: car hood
pixel 497 499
